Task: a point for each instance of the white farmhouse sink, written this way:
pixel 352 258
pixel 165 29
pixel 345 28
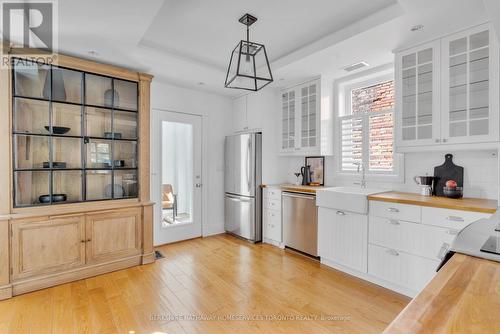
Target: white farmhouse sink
pixel 352 199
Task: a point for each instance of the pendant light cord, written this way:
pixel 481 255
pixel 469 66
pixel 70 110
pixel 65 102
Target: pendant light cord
pixel 248 43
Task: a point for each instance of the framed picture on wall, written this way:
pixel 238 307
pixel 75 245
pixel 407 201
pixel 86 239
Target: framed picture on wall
pixel 317 169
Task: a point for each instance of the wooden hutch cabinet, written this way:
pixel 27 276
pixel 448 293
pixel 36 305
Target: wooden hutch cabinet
pixel 74 171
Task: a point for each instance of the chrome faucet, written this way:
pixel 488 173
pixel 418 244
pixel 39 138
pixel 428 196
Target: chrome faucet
pixel 361 169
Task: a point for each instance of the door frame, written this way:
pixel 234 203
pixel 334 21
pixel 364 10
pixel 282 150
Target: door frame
pixel 156 166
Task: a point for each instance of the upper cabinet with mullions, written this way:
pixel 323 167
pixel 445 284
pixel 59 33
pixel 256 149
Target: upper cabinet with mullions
pixel 75 135
pixel 447 91
pixel 300 119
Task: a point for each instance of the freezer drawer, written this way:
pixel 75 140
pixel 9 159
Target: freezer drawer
pixel 242 217
pixel 300 222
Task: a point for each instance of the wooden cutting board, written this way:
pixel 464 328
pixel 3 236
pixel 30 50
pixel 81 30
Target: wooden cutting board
pixel 447 171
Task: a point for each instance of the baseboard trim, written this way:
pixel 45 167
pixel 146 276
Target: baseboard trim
pixel 5 292
pixel 372 279
pixel 148 258
pixel 41 282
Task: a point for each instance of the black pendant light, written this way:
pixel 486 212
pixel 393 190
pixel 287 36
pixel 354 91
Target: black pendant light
pixel 248 67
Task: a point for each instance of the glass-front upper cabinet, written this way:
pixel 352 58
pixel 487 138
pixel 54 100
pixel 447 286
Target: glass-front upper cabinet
pixel 75 135
pixel 417 98
pixel 470 86
pixel 300 119
pixel 288 121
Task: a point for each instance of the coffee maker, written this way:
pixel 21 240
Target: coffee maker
pixel 426 184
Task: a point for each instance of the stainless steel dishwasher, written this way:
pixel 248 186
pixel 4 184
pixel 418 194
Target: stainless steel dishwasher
pixel 300 222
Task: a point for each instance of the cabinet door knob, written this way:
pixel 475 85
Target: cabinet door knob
pixel 88 240
pixel 445 140
pixel 437 140
pixel 82 241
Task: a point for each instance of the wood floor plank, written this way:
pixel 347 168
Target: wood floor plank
pixel 218 284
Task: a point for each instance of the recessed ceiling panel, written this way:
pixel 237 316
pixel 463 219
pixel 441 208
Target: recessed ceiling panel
pixel 207 31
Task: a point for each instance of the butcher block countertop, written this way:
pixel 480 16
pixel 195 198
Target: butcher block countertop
pixel 464 297
pixel 295 188
pixel 465 204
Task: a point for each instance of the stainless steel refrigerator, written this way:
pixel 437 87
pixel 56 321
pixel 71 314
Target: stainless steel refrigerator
pixel 243 177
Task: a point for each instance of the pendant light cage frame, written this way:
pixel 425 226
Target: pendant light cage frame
pixel 249 67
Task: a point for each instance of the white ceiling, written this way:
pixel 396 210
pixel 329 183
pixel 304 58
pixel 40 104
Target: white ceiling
pixel 189 41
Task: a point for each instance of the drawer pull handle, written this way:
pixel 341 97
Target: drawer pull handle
pixel 393 210
pixel 443 250
pixel 455 218
pixel 341 213
pixel 393 252
pixel 452 231
pixel 394 222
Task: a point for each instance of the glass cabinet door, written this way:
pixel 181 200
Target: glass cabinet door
pixel 288 121
pixel 309 110
pixel 466 83
pixel 75 136
pixel 417 91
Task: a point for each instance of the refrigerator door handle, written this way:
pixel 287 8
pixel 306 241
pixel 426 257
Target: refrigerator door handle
pixel 249 150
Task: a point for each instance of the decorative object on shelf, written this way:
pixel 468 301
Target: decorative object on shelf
pixel 58 130
pixel 249 66
pixel 111 97
pixel 109 135
pixel 119 163
pixel 447 171
pixel 118 191
pixel 297 182
pixel 317 169
pixel 55 164
pixel 306 175
pixel 55 198
pixel 58 89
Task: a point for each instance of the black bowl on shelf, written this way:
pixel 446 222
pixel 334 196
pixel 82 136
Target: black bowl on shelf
pixel 55 198
pixel 456 192
pixel 58 130
pixel 55 164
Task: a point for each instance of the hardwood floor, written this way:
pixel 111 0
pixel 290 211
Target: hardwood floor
pixel 212 277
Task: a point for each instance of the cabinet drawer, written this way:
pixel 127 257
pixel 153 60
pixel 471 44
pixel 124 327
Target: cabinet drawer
pixel 272 193
pixel 272 204
pixel 272 225
pixel 396 211
pixel 414 238
pixel 455 219
pixel 410 271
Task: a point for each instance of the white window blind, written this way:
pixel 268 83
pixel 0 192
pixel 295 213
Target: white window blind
pixel 367 128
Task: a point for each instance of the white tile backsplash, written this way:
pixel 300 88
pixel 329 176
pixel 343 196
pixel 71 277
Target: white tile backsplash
pixel 480 172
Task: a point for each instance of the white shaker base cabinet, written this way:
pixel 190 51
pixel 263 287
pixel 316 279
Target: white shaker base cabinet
pixel 342 238
pixel 409 271
pixel 271 217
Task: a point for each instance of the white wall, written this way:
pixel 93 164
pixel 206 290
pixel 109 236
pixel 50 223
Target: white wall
pixel 216 113
pixel 481 168
pixel 480 172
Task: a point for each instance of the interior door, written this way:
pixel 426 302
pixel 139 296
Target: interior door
pixel 177 176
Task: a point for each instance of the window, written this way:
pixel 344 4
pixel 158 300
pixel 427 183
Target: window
pixel 366 126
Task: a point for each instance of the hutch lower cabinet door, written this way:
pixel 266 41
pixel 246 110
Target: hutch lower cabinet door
pixel 47 245
pixel 113 235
